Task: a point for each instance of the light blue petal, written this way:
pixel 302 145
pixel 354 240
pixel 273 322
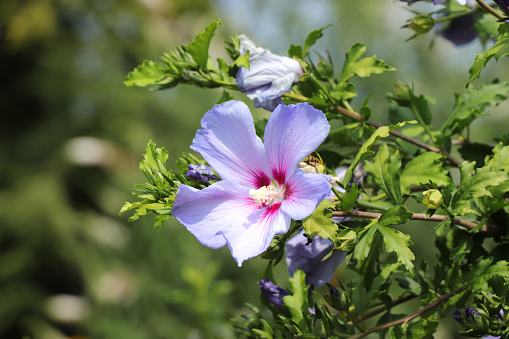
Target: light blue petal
pixel 265 69
pixel 209 212
pixel 228 142
pixel 292 133
pixel 304 193
pixel 249 239
pixel 247 45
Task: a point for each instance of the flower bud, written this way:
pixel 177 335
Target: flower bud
pixel 338 298
pixel 200 172
pixel 433 199
pixel 402 95
pixel 273 293
pixel 269 75
pixel 420 24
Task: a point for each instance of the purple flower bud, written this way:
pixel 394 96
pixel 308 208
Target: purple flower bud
pixel 201 172
pixel 269 75
pixel 468 314
pixel 273 293
pixel 307 256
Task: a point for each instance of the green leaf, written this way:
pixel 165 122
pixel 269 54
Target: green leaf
pixel 319 223
pixel 364 67
pixel 360 298
pixel 241 61
pixel 421 108
pixel 398 242
pixel 381 132
pixel 363 246
pixel 423 328
pixel 343 91
pixel 500 159
pixel 348 199
pixel 160 219
pixel 423 168
pixel 311 39
pixel 385 170
pixel 470 106
pixel 199 48
pixel 155 157
pixel 394 216
pixel 475 186
pixel 500 49
pixel 404 96
pixel 148 73
pixel 346 240
pixel 297 303
pixel 482 272
pixel 295 50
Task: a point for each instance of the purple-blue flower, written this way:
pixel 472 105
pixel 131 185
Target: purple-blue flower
pixel 269 75
pixel 261 188
pixel 200 172
pixel 461 30
pixel 273 293
pixel 307 256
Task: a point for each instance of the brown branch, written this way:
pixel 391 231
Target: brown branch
pixel 400 135
pixel 489 229
pixel 407 319
pixel 358 117
pixel 490 9
pixel 413 188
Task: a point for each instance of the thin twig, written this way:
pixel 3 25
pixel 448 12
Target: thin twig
pixel 400 135
pixel 413 188
pixel 489 229
pixel 358 117
pixel 490 9
pixel 407 319
pixel 393 304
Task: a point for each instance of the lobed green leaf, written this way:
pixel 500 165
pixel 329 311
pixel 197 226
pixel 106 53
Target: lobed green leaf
pixel 385 170
pixel 422 169
pixel 146 74
pixel 297 303
pixel 398 242
pixel 364 67
pixel 500 49
pixel 199 48
pixel 319 223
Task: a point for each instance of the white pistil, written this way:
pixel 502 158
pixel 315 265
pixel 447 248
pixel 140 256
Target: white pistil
pixel 267 195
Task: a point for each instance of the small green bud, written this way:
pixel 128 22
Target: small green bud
pixel 432 199
pixel 338 298
pixel 421 24
pixel 402 95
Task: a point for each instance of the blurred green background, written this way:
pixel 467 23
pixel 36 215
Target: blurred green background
pixel 72 136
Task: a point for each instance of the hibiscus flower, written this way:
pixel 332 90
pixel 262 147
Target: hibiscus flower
pixel 269 75
pixel 261 188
